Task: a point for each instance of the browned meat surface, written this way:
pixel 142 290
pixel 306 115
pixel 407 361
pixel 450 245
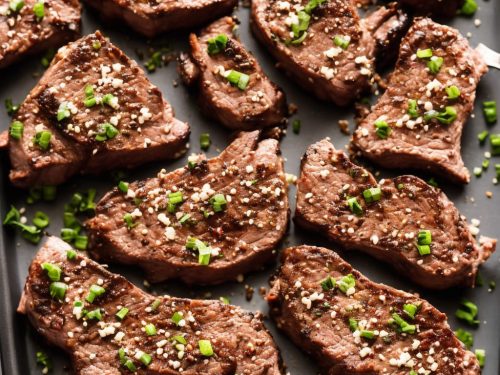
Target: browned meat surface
pixel 157 335
pixel 439 8
pixel 258 103
pixel 332 72
pixel 428 138
pixel 351 325
pixel 23 33
pixel 101 112
pixel 151 18
pixel 388 226
pixel 239 234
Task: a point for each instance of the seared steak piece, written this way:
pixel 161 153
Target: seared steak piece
pixel 93 110
pixel 403 221
pixel 439 8
pixel 205 223
pixel 418 121
pixel 324 48
pixel 26 29
pixel 151 18
pixel 352 325
pixel 109 326
pixel 215 68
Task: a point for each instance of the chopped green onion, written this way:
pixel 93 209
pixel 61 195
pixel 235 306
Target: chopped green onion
pixel 446 117
pixel 16 129
pixel 468 8
pixel 204 251
pixel 225 300
pixel 11 107
pixel 341 41
pixel 478 171
pixel 299 29
pixel 156 303
pixel 465 337
pixel 412 108
pixel 123 186
pixel 180 339
pixel 468 313
pixel 432 181
pixel 150 329
pixel 108 99
pixel 353 324
pixel 130 365
pixel 176 197
pixel 16 5
pixel 367 334
pixel 90 102
pixel 410 309
pixel 453 92
pixel 41 220
pixel 383 129
pixel 184 219
pixel 43 359
pixel 354 206
pixel 482 136
pixel 485 164
pixel 122 356
pixel 89 91
pixel 346 284
pixel 63 112
pixel 176 318
pixel 129 221
pixel 328 283
pixel 58 290
pixel 205 141
pixel 95 291
pixel 71 254
pixel 424 249
pixel 296 124
pixel 372 194
pixel 434 64
pixel 39 10
pixel 205 348
pixel 217 44
pixel 424 53
pixel 42 139
pixel 490 111
pixel 47 57
pixel 53 271
pixel 238 79
pixel 122 313
pixel 145 359
pixel 218 202
pixel 96 45
pixel 404 326
pixel 481 356
pixel 94 314
pixel 106 132
pixel 495 144
pixel 424 237
pixel 12 216
pixel 156 60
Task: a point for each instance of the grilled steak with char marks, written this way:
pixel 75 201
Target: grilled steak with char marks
pixel 93 110
pixel 205 223
pixel 352 325
pixel 151 18
pixel 403 221
pixel 417 123
pixel 215 56
pixel 23 33
pixel 101 315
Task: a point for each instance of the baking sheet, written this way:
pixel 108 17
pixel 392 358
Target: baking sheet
pixel 19 342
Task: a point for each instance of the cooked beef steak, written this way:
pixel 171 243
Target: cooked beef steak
pixel 101 313
pixel 439 8
pixel 151 18
pixel 417 123
pixel 216 56
pixel 98 110
pixel 352 325
pixel 22 32
pixel 232 208
pixel 336 72
pixel 384 219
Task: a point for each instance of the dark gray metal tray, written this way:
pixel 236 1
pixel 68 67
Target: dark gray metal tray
pixel 19 343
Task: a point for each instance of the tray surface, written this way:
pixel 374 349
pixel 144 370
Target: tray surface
pixel 19 342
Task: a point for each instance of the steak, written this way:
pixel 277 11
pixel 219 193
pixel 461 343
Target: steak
pixel 93 110
pixel 216 57
pixel 206 223
pixel 417 123
pixel 109 326
pixel 22 32
pixel 151 18
pixel 438 8
pixel 352 325
pixel 300 37
pixel 402 221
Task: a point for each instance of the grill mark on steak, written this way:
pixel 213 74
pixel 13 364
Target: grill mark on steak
pixel 21 34
pixel 387 229
pixel 243 236
pixel 151 18
pixel 339 79
pixel 146 127
pixel 415 142
pixel 260 104
pixel 240 342
pixel 317 320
